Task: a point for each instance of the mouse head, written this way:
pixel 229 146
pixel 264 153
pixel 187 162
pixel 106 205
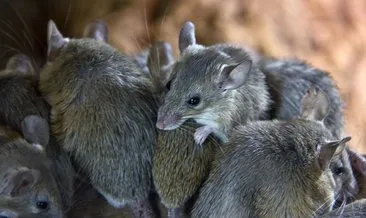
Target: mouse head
pixel 346 187
pixel 328 151
pixel 96 30
pixel 27 185
pixel 201 81
pixel 160 61
pixel 345 183
pixel 19 64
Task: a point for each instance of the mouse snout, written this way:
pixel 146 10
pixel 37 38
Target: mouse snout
pixel 168 121
pixel 353 189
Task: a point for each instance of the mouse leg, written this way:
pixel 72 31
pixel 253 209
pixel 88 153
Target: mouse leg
pixel 175 213
pixel 202 133
pixel 142 209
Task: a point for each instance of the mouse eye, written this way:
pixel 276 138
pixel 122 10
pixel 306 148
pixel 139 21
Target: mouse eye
pixel 42 205
pixel 194 101
pixel 168 85
pixel 339 171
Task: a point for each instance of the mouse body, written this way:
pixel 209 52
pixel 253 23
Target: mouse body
pixel 102 114
pixel 19 94
pixel 218 86
pixel 288 80
pixel 22 104
pixel 179 164
pixel 275 168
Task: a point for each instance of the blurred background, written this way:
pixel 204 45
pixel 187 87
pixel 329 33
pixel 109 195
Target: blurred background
pixel 329 34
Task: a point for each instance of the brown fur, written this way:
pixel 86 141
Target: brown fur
pixel 180 165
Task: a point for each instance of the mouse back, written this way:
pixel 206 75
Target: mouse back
pixel 289 79
pixel 274 168
pixel 180 165
pixel 103 112
pixel 19 94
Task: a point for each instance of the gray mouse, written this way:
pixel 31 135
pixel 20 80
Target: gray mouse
pixel 103 114
pixel 219 86
pixel 275 168
pixel 288 80
pixel 28 185
pixel 20 99
pixel 18 92
pixel 179 164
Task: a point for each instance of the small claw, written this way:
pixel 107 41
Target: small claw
pixel 201 134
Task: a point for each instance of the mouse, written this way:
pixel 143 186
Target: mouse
pixel 28 184
pixel 288 80
pixel 180 165
pixel 21 98
pixel 356 209
pixel 275 168
pixel 18 92
pixel 102 114
pixel 218 86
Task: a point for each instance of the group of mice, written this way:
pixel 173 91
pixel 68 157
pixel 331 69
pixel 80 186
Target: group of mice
pixel 217 132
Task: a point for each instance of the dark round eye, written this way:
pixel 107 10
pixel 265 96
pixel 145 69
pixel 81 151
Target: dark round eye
pixel 43 205
pixel 339 170
pixel 168 85
pixel 194 101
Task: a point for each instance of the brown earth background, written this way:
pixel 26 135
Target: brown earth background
pixel 329 34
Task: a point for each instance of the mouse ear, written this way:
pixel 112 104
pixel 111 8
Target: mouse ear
pixel 97 30
pixel 187 36
pixel 55 40
pixel 18 181
pixel 358 162
pixel 35 130
pixel 159 61
pixel 20 63
pixel 234 76
pixel 314 105
pixel 329 150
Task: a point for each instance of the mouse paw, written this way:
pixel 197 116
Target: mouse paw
pixel 201 134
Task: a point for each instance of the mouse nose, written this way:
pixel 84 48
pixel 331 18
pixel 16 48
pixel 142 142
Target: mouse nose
pixel 160 124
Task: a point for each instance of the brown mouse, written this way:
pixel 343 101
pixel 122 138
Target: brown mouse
pixel 102 114
pixel 275 168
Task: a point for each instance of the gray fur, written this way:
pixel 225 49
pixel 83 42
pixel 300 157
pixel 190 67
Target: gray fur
pixel 196 73
pixel 103 115
pixel 288 81
pixel 179 165
pixel 269 169
pixel 275 168
pixel 21 101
